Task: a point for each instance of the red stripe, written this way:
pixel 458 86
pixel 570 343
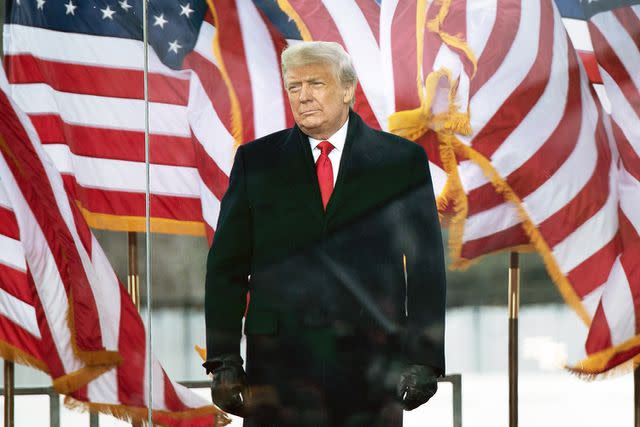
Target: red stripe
pixel 591 198
pixel 47 347
pixel 599 337
pixel 17 337
pixel 92 80
pixel 213 85
pixel 15 283
pixel 280 44
pixel 116 144
pixel 591 66
pixel 455 24
pixel 594 271
pixel 521 101
pixel 212 176
pixel 133 204
pixel 429 141
pixel 630 159
pixel 231 45
pixel 608 59
pixel 629 261
pixel 320 23
pixel 432 41
pixel 404 51
pixel 132 348
pixel 171 398
pixel 548 159
pixel 371 12
pixel 622 357
pixel 512 236
pixel 499 43
pixel 32 181
pixel 631 23
pixel 8 224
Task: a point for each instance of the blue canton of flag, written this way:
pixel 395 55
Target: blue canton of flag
pixel 173 25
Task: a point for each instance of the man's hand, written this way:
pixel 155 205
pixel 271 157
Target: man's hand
pixel 229 383
pixel 416 386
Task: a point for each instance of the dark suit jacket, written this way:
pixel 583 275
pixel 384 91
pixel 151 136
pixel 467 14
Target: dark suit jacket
pixel 339 271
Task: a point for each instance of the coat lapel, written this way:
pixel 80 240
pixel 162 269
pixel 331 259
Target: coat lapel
pixel 298 172
pixel 361 154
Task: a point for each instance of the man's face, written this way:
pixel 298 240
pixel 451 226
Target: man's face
pixel 319 102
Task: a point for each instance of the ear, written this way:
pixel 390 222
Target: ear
pixel 349 94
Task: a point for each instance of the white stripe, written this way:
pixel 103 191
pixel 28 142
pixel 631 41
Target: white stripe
pixel 102 112
pixel 602 95
pixel 104 389
pixel 44 271
pixel 636 10
pixel 107 289
pixel 208 129
pixel 188 397
pixel 481 17
pixel 578 31
pixel 574 173
pixel 387 11
pixel 83 49
pixel 264 71
pixel 554 193
pixel 539 124
pixel 623 114
pixel 12 253
pixel 204 44
pixel 490 221
pixel 210 206
pixel 19 312
pixel 629 189
pixel 363 48
pixel 157 384
pixel 438 178
pixel 512 71
pixel 122 175
pixel 618 305
pixel 591 236
pixel 621 44
pixel 4 199
pixel 591 301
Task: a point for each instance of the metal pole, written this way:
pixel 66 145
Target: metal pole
pixel 133 278
pixel 514 304
pixel 636 395
pixel 145 43
pixel 9 384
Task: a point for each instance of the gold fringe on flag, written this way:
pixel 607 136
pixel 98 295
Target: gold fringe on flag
pixel 290 11
pixel 140 414
pixel 236 115
pixel 592 368
pixel 16 355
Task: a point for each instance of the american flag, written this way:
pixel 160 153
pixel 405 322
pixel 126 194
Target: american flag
pixel 612 31
pixel 76 69
pixel 62 308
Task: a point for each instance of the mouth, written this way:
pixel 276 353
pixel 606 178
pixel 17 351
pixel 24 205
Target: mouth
pixel 308 113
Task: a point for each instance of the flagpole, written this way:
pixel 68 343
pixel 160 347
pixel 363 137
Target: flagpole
pixel 514 304
pixel 9 384
pixel 147 202
pixel 133 279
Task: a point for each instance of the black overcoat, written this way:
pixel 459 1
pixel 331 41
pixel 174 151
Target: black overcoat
pixel 333 312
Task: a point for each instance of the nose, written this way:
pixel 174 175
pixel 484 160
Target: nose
pixel 305 93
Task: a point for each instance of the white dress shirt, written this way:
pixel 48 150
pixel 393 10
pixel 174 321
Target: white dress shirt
pixel 337 140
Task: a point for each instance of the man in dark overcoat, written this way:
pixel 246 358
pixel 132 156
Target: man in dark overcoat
pixel 331 228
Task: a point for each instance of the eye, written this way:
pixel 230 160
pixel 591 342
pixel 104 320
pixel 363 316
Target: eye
pixel 318 84
pixel 293 88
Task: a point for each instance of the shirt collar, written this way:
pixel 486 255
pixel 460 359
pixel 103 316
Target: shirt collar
pixel 337 139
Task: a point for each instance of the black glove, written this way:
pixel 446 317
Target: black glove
pixel 416 386
pixel 229 383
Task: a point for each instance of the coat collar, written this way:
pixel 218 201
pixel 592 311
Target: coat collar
pixel 361 152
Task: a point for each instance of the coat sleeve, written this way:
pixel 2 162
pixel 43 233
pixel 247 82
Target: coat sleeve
pixel 228 267
pixel 425 273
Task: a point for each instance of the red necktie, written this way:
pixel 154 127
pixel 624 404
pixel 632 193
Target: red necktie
pixel 325 172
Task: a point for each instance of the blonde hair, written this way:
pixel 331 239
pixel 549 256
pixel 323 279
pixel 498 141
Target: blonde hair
pixel 317 52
